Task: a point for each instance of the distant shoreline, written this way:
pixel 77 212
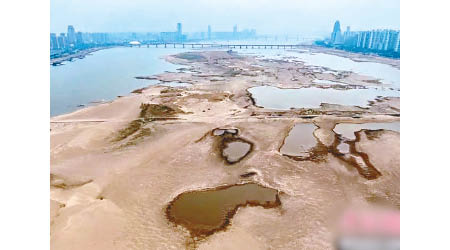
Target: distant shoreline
pixel 80 55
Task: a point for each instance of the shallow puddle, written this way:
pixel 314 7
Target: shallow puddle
pixel 204 212
pixel 347 130
pixel 300 140
pixel 235 150
pixel 220 131
pixel 343 148
pixel 284 99
pixel 175 84
pixel 348 135
pixel 327 82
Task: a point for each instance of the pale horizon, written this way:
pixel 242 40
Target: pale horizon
pixel 304 18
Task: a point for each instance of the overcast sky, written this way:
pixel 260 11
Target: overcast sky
pixel 304 17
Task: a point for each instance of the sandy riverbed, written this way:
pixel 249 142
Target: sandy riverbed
pixel 115 167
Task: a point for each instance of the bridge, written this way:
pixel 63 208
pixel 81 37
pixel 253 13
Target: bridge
pixel 219 46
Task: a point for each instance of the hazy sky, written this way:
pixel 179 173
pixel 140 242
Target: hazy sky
pixel 304 17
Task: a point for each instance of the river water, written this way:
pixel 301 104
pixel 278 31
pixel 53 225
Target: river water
pixel 104 75
pixel 108 73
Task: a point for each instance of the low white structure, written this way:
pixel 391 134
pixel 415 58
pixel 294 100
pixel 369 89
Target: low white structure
pixel 134 43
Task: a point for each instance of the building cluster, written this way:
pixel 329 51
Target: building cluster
pixel 235 34
pixel 374 40
pixel 73 41
pixel 66 41
pixel 176 36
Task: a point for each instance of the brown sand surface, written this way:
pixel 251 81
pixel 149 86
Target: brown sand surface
pixel 108 193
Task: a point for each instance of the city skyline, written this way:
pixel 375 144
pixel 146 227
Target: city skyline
pixel 309 18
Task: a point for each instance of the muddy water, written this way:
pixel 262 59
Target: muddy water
pixel 300 140
pixel 284 99
pixel 207 211
pixel 349 135
pixel 236 150
pixel 347 130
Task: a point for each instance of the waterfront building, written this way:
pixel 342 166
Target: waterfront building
pixel 53 41
pixel 336 36
pixel 397 42
pixel 62 41
pixel 100 38
pixel 171 37
pixel 209 32
pixel 179 30
pixel 233 35
pixel 381 40
pixel 71 39
pixel 79 38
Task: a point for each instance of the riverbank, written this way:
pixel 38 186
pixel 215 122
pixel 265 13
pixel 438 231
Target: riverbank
pixel 116 167
pixel 78 55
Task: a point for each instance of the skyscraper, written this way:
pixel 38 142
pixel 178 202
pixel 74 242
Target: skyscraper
pixel 209 32
pixel 71 39
pixel 79 38
pixel 336 36
pixel 179 30
pixel 62 41
pixel 53 41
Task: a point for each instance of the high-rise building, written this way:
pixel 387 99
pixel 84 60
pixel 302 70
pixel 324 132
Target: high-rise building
pixel 235 32
pixel 53 41
pixel 62 41
pixel 336 36
pixel 209 32
pixel 179 29
pixel 71 39
pixel 397 42
pixel 79 38
pixel 376 40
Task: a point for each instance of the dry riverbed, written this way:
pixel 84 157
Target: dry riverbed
pixel 137 172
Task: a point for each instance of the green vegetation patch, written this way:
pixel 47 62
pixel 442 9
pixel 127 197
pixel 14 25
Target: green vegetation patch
pixel 149 113
pixel 190 56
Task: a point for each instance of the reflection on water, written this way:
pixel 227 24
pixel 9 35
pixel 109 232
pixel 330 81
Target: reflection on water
pixel 104 75
pixel 284 99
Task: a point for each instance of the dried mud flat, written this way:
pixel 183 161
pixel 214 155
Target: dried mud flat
pixel 119 168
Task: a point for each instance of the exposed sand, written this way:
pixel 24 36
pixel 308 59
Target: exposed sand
pixel 108 194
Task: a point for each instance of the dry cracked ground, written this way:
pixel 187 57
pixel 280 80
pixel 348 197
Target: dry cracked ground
pixel 203 166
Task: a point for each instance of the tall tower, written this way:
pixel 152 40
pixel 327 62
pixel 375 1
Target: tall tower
pixel 179 30
pixel 71 34
pixel 53 41
pixel 209 32
pixel 336 36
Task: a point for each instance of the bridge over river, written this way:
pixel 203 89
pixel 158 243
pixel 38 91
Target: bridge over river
pixel 214 45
